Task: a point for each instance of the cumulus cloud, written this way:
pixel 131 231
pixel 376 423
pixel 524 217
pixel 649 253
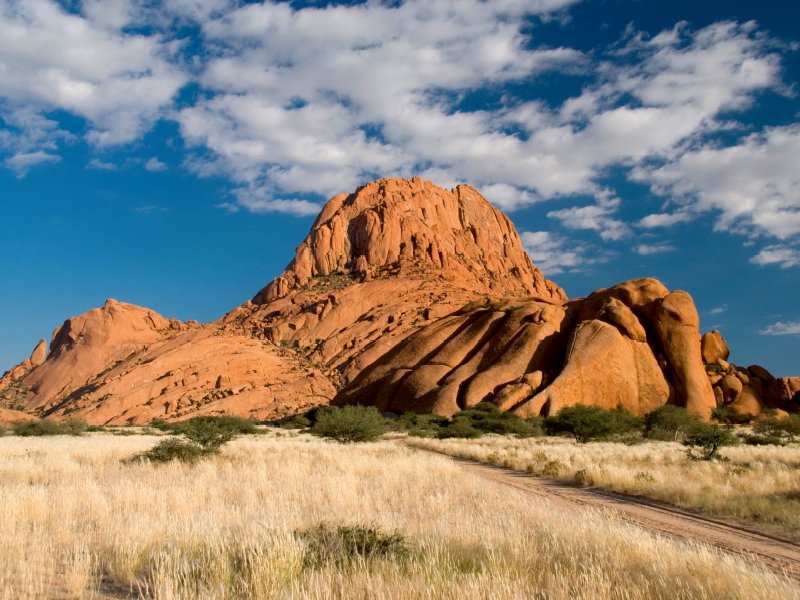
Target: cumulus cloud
pixel 548 252
pixel 317 100
pixel 155 165
pixel 21 163
pixel 86 64
pixel 783 255
pixel 96 163
pixel 780 328
pixel 646 249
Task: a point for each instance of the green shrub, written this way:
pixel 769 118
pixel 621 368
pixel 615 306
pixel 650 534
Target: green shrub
pixel 786 429
pixel 48 427
pixel 349 424
pixel 173 449
pixel 211 433
pixel 427 425
pixel 488 418
pixel 592 423
pixel 342 545
pixel 459 427
pixel 704 441
pixel 669 423
pixel 723 415
pixel 297 422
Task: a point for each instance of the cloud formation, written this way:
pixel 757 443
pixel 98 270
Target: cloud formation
pixel 317 100
pixel 780 328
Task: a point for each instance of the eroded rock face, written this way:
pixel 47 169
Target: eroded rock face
pixel 635 344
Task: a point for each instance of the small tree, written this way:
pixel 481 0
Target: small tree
pixel 724 415
pixel 787 428
pixel 349 424
pixel 669 423
pixel 590 423
pixel 704 441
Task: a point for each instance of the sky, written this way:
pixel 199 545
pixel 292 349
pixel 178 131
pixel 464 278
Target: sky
pixel 173 153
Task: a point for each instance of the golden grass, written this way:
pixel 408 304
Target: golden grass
pixel 75 522
pixel 756 484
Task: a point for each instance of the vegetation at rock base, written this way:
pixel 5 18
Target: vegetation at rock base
pixel 591 423
pixel 349 424
pixel 49 427
pixel 704 441
pixel 669 423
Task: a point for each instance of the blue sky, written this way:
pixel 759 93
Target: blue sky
pixel 172 154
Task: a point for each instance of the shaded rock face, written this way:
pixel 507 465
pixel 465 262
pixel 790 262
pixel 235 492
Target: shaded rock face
pixel 635 344
pixel 376 266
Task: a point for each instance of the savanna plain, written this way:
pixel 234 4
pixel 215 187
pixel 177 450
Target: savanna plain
pixel 288 515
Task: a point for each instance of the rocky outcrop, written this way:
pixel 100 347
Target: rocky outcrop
pixel 635 344
pixel 377 265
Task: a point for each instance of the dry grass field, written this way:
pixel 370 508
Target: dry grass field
pixel 757 485
pixel 78 522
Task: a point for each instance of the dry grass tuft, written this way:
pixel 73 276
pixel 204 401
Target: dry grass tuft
pixel 76 522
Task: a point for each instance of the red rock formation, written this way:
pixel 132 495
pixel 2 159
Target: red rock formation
pixel 377 264
pixel 635 344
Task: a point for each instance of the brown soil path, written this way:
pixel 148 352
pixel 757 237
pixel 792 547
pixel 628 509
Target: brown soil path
pixel 779 555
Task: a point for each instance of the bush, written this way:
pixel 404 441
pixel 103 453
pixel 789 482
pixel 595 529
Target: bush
pixel 48 427
pixel 459 427
pixel 173 449
pixel 342 545
pixel 211 433
pixel 591 423
pixel 297 422
pixel 723 415
pixel 786 429
pixel 488 418
pixel 704 441
pixel 349 424
pixel 427 425
pixel 669 423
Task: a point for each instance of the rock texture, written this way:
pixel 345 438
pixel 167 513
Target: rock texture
pixel 635 344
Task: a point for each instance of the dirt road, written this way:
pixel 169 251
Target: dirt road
pixel 781 556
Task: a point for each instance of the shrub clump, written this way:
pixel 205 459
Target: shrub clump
pixel 173 449
pixel 724 415
pixel 669 423
pixel 787 429
pixel 704 441
pixel 343 545
pixel 592 423
pixel 349 424
pixel 48 427
pixel 203 436
pixel 474 422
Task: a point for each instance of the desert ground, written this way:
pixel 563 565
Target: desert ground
pixel 271 516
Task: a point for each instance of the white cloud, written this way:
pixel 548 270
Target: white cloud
pixel 779 328
pixel 319 100
pixel 21 163
pixel 96 163
pixel 155 165
pixel 596 217
pixel 260 200
pixel 783 255
pixel 718 311
pixel 85 64
pixel 646 249
pixel 754 185
pixel 549 254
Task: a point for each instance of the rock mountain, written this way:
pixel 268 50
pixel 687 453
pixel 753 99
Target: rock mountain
pixel 405 296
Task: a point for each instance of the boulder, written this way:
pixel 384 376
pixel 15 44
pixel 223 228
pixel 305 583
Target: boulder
pixel 713 347
pixel 731 387
pixel 761 373
pixel 39 353
pixel 603 368
pixel 747 402
pixel 677 324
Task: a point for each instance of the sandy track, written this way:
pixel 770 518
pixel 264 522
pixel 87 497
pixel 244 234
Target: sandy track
pixel 779 555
